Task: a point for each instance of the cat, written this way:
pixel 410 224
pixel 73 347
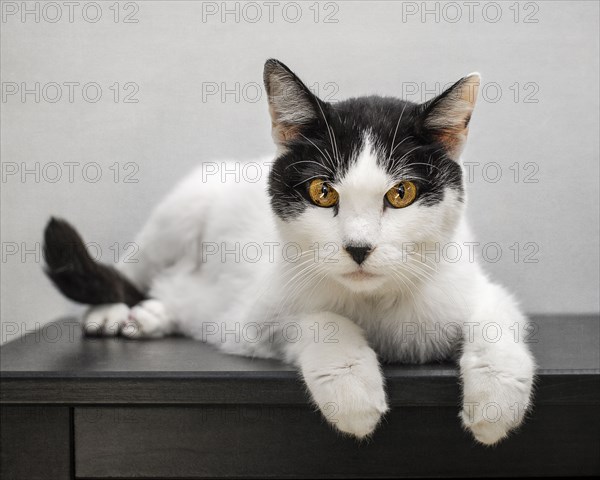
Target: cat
pixel 326 261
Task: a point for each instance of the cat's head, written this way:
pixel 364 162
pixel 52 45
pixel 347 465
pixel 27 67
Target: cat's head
pixel 362 183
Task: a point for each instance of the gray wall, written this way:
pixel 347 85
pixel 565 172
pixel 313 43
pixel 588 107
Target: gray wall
pixel 539 109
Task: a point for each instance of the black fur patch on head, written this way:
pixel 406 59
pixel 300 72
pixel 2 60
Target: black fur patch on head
pixel 326 147
pixel 325 150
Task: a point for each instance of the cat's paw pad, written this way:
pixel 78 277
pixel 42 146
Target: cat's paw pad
pixel 148 319
pixel 105 320
pixel 495 403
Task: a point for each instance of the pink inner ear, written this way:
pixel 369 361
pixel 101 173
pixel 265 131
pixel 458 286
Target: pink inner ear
pixel 449 120
pixel 453 140
pixel 284 133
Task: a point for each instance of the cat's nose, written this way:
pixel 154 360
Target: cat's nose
pixel 359 252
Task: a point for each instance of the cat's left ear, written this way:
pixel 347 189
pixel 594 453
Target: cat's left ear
pixel 445 118
pixel 292 105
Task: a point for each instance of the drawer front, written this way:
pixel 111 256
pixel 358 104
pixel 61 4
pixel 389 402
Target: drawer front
pixel 242 441
pixel 35 442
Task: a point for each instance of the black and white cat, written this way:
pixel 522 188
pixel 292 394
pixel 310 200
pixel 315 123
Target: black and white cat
pixel 325 265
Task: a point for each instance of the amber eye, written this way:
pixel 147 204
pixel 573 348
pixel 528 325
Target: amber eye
pixel 402 194
pixel 322 194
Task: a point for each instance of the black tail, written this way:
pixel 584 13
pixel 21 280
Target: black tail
pixel 77 275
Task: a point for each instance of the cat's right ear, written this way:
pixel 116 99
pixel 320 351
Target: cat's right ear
pixel 291 104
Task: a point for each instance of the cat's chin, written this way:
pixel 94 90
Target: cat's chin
pixel 361 281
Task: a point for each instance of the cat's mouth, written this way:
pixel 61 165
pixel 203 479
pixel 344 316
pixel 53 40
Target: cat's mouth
pixel 359 275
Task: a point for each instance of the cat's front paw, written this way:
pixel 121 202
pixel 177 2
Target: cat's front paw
pixel 350 394
pixel 495 398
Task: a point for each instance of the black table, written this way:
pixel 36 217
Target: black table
pixel 75 407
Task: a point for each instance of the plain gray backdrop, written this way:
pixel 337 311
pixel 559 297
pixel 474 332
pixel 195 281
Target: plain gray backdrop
pixel 181 84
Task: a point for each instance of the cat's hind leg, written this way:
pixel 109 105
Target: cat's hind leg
pixel 148 319
pixel 105 320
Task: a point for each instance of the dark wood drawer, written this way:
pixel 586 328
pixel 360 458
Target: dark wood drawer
pixel 279 441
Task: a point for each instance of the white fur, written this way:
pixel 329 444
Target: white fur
pixel 106 319
pixel 312 313
pixel 148 319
